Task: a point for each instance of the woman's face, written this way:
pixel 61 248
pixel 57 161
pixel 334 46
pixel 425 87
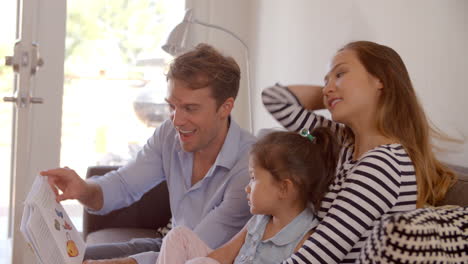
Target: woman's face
pixel 350 93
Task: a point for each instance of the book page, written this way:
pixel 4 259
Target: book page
pixel 42 240
pixel 26 232
pixel 50 228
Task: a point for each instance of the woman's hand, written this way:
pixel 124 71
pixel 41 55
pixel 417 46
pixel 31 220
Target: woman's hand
pixel 111 261
pixel 228 252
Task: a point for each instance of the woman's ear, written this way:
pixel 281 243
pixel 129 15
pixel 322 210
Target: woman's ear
pixel 375 82
pixel 378 83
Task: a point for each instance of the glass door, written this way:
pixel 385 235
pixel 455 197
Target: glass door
pixel 32 88
pixel 7 41
pixel 114 85
pixel 112 89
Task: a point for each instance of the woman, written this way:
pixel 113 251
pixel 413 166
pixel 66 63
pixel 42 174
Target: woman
pixel 386 163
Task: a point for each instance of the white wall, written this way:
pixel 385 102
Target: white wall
pixel 235 17
pixel 292 42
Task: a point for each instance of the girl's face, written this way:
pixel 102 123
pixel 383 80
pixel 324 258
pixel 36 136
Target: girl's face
pixel 263 191
pixel 350 92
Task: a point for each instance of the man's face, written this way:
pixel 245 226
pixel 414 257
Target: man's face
pixel 196 117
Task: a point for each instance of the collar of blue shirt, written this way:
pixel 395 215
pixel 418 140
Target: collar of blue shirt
pixel 228 155
pixel 300 225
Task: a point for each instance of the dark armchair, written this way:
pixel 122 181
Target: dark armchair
pixel 141 219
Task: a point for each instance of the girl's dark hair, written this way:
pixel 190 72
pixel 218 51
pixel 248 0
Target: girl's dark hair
pixel 310 165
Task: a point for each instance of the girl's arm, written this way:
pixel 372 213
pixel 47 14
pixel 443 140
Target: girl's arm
pixel 293 108
pixel 227 253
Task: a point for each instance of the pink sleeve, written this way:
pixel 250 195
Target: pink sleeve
pixel 181 244
pixel 202 260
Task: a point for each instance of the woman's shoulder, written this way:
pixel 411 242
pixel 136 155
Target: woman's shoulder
pixel 389 161
pixel 394 153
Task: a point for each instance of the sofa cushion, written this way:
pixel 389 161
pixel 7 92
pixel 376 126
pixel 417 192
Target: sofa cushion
pixel 113 235
pixel 427 235
pixel 457 194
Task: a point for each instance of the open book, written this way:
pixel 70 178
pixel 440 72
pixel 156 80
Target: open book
pixel 48 229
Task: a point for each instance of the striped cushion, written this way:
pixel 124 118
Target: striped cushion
pixel 427 235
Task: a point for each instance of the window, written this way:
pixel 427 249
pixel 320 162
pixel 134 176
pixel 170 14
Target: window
pixel 114 81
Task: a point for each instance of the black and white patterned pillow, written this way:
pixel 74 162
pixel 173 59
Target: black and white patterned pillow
pixel 165 229
pixel 427 235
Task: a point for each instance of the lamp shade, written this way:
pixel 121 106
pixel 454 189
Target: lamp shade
pixel 177 40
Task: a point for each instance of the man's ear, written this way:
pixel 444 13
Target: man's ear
pixel 225 109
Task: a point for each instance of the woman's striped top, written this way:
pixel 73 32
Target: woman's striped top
pixel 381 182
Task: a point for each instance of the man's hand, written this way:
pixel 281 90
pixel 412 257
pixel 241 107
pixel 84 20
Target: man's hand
pixel 65 179
pixel 74 187
pixel 111 261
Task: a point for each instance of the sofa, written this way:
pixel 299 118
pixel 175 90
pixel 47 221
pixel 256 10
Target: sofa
pixel 141 219
pixel 152 212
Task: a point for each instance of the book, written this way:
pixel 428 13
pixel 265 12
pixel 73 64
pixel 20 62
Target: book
pixel 48 229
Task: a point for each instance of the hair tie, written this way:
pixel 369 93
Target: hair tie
pixel 306 133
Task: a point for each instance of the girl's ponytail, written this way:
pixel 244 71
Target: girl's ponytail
pixel 326 141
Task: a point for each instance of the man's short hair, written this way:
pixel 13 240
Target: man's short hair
pixel 204 66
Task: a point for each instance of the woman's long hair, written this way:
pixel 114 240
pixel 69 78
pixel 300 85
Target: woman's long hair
pixel 401 117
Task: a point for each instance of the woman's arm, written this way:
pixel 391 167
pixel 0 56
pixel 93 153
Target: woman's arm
pixel 310 96
pixel 371 190
pixel 227 253
pixel 292 107
pixel 307 235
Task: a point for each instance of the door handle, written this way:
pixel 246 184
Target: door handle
pixel 25 58
pixel 10 99
pixel 23 100
pixel 36 100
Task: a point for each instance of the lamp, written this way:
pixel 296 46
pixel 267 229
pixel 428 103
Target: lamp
pixel 177 43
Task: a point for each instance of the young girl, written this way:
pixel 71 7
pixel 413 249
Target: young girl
pixel 386 163
pixel 289 175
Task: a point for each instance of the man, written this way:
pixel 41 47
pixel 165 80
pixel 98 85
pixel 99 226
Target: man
pixel 201 153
